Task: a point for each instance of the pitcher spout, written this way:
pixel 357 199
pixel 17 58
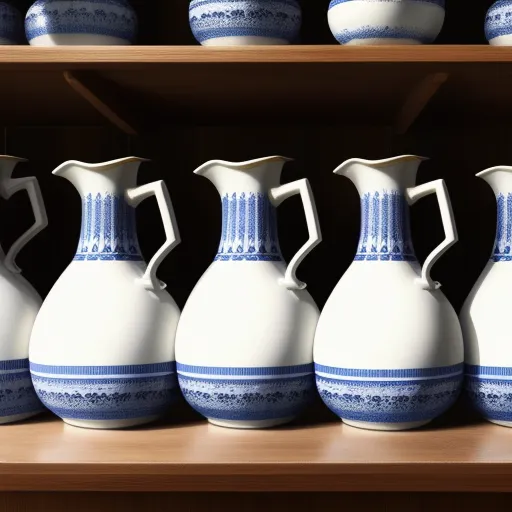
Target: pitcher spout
pixel 498 177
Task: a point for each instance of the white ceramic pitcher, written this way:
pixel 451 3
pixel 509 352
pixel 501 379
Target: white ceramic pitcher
pixel 486 313
pixel 244 346
pixel 19 304
pixel 102 347
pixel 388 347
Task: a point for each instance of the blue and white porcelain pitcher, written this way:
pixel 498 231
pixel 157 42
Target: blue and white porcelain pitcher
pixel 102 347
pixel 244 346
pixel 388 347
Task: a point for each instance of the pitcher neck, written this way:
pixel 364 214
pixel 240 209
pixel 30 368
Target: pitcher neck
pixel 108 229
pixel 249 228
pixel 385 227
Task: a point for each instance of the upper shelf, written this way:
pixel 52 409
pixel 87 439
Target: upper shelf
pixel 140 87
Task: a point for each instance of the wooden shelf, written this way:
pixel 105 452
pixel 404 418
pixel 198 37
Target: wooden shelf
pixel 48 455
pixel 164 85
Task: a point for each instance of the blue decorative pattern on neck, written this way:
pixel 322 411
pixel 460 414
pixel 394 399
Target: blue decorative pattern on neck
pixel 249 229
pixel 108 230
pixel 385 228
pixel 502 246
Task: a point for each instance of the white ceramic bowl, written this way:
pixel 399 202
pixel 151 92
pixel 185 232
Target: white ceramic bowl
pixel 366 22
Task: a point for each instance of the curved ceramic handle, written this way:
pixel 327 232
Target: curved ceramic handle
pixel 31 185
pixel 134 197
pixel 439 188
pixel 277 196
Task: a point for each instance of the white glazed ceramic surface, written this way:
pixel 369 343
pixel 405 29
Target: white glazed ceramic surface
pixel 388 347
pixel 244 346
pixel 81 22
pixel 486 312
pixel 102 347
pixel 11 24
pixel 498 23
pixel 366 22
pixel 245 22
pixel 19 305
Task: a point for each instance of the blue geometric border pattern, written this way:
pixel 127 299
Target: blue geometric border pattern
pixel 113 18
pixel 503 244
pixel 108 230
pixel 385 228
pixel 490 390
pixel 498 21
pixel 106 392
pixel 440 3
pixel 249 229
pixel 210 19
pixel 389 396
pixel 245 394
pixel 11 23
pixel 17 395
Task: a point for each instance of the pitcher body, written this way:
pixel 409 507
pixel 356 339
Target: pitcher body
pixel 19 305
pixel 244 346
pixel 388 347
pixel 485 315
pixel 102 347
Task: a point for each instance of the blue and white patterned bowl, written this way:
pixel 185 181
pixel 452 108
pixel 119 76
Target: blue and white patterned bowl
pixel 245 22
pixel 389 399
pixel 498 23
pixel 366 22
pixel 11 24
pixel 248 397
pixel 81 22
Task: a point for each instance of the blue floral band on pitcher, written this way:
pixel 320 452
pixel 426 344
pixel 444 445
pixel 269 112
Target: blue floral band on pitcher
pixel 114 18
pixel 503 244
pixel 389 396
pixel 17 395
pixel 245 394
pixel 498 21
pixel 106 392
pixel 490 390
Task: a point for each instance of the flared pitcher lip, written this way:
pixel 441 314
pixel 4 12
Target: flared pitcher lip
pixel 248 164
pixel 490 170
pixel 103 165
pixel 382 162
pixel 13 158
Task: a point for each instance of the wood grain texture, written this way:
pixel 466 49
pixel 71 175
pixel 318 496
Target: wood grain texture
pixel 84 57
pixel 248 502
pixel 47 455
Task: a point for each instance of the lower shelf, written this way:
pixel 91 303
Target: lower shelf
pixel 451 455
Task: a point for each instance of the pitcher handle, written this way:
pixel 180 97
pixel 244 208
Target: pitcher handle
pixel 134 197
pixel 277 196
pixel 451 237
pixel 31 185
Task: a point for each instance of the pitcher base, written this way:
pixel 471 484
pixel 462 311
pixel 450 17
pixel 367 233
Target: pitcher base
pixel 502 423
pixel 250 424
pixel 389 427
pixel 110 424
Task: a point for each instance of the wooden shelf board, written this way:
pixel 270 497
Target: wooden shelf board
pixel 83 57
pixel 295 84
pixel 48 455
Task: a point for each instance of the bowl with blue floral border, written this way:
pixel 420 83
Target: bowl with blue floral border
pixel 391 22
pixel 245 22
pixel 498 23
pixel 11 24
pixel 81 22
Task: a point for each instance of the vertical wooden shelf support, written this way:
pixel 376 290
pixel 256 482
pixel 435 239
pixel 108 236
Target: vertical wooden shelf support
pixel 105 97
pixel 417 100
